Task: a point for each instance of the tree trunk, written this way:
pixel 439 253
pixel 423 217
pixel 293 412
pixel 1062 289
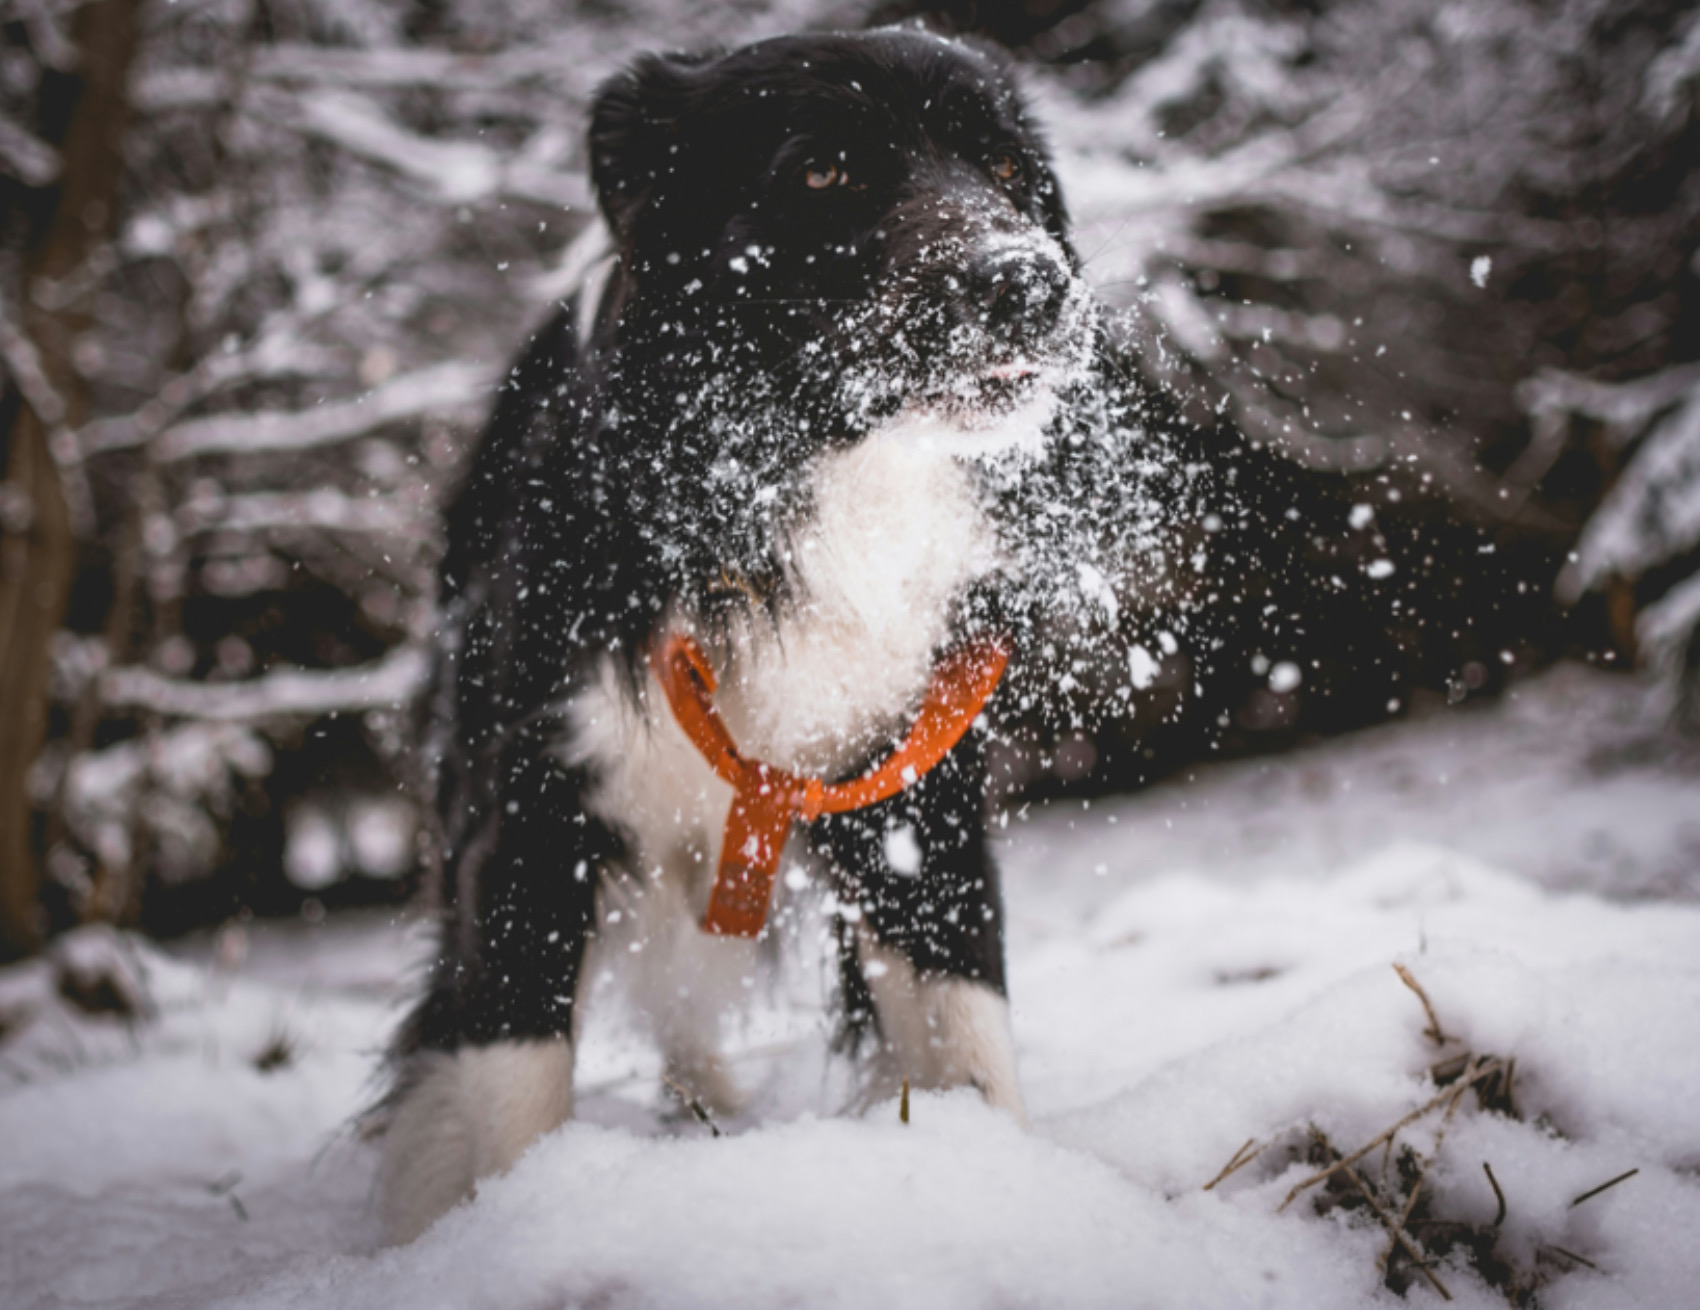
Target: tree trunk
pixel 37 548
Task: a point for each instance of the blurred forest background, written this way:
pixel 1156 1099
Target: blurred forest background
pixel 262 262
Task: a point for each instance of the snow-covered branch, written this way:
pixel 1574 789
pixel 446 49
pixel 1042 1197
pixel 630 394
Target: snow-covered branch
pixel 172 784
pixel 46 22
pixel 453 389
pixel 1624 408
pixel 457 172
pixel 26 156
pixel 22 361
pixel 321 510
pixel 1652 513
pixel 440 69
pixel 387 684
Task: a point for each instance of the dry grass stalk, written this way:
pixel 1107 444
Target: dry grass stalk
pixel 279 1052
pixel 1422 1174
pixel 1595 1191
pixel 694 1104
pixel 1433 1031
pixel 1471 1078
pixel 1401 1199
pixel 903 1103
pixel 1498 1195
pixel 226 1187
pixel 1400 1239
pixel 1242 1157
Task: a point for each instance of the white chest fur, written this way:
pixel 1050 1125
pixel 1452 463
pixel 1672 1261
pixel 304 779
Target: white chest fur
pixel 895 534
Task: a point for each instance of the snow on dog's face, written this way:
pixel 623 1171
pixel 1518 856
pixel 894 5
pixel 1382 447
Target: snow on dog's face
pixel 828 242
pixel 842 227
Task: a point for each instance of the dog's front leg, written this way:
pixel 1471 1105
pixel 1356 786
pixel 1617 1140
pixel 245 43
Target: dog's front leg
pixel 485 1063
pixel 923 939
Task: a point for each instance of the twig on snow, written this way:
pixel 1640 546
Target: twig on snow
pixel 1595 1191
pixel 1498 1195
pixel 1470 1079
pixel 694 1104
pixel 226 1187
pixel 1242 1157
pixel 1433 1031
pixel 1399 1238
pixel 1422 1174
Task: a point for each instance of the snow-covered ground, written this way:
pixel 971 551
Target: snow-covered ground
pixel 1203 967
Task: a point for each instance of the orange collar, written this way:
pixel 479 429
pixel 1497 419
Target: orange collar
pixel 766 800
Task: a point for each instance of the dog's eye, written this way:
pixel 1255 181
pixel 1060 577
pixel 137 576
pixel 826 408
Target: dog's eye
pixel 818 179
pixel 1004 168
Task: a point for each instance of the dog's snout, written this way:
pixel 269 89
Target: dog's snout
pixel 1017 295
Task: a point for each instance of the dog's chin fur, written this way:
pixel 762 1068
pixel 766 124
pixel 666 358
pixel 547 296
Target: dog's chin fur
pixel 824 543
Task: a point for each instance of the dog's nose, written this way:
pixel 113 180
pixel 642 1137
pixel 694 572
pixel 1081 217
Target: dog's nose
pixel 1016 295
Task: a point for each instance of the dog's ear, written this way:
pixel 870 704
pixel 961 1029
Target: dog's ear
pixel 634 130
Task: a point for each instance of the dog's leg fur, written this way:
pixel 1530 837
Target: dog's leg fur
pixel 941 1031
pixel 468 1114
pixel 927 943
pixel 484 1065
pixel 680 980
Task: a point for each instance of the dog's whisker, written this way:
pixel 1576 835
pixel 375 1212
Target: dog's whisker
pixel 1105 245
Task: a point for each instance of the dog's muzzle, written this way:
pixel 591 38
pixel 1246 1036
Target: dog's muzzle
pixel 1014 295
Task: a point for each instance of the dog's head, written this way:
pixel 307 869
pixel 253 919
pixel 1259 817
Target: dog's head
pixel 872 215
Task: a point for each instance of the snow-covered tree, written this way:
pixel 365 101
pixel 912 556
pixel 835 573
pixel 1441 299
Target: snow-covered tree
pixel 1642 545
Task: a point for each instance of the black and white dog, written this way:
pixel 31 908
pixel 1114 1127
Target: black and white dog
pixel 841 290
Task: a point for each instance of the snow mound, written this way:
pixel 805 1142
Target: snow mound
pixel 1221 992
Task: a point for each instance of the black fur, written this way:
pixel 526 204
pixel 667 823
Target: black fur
pixel 657 464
